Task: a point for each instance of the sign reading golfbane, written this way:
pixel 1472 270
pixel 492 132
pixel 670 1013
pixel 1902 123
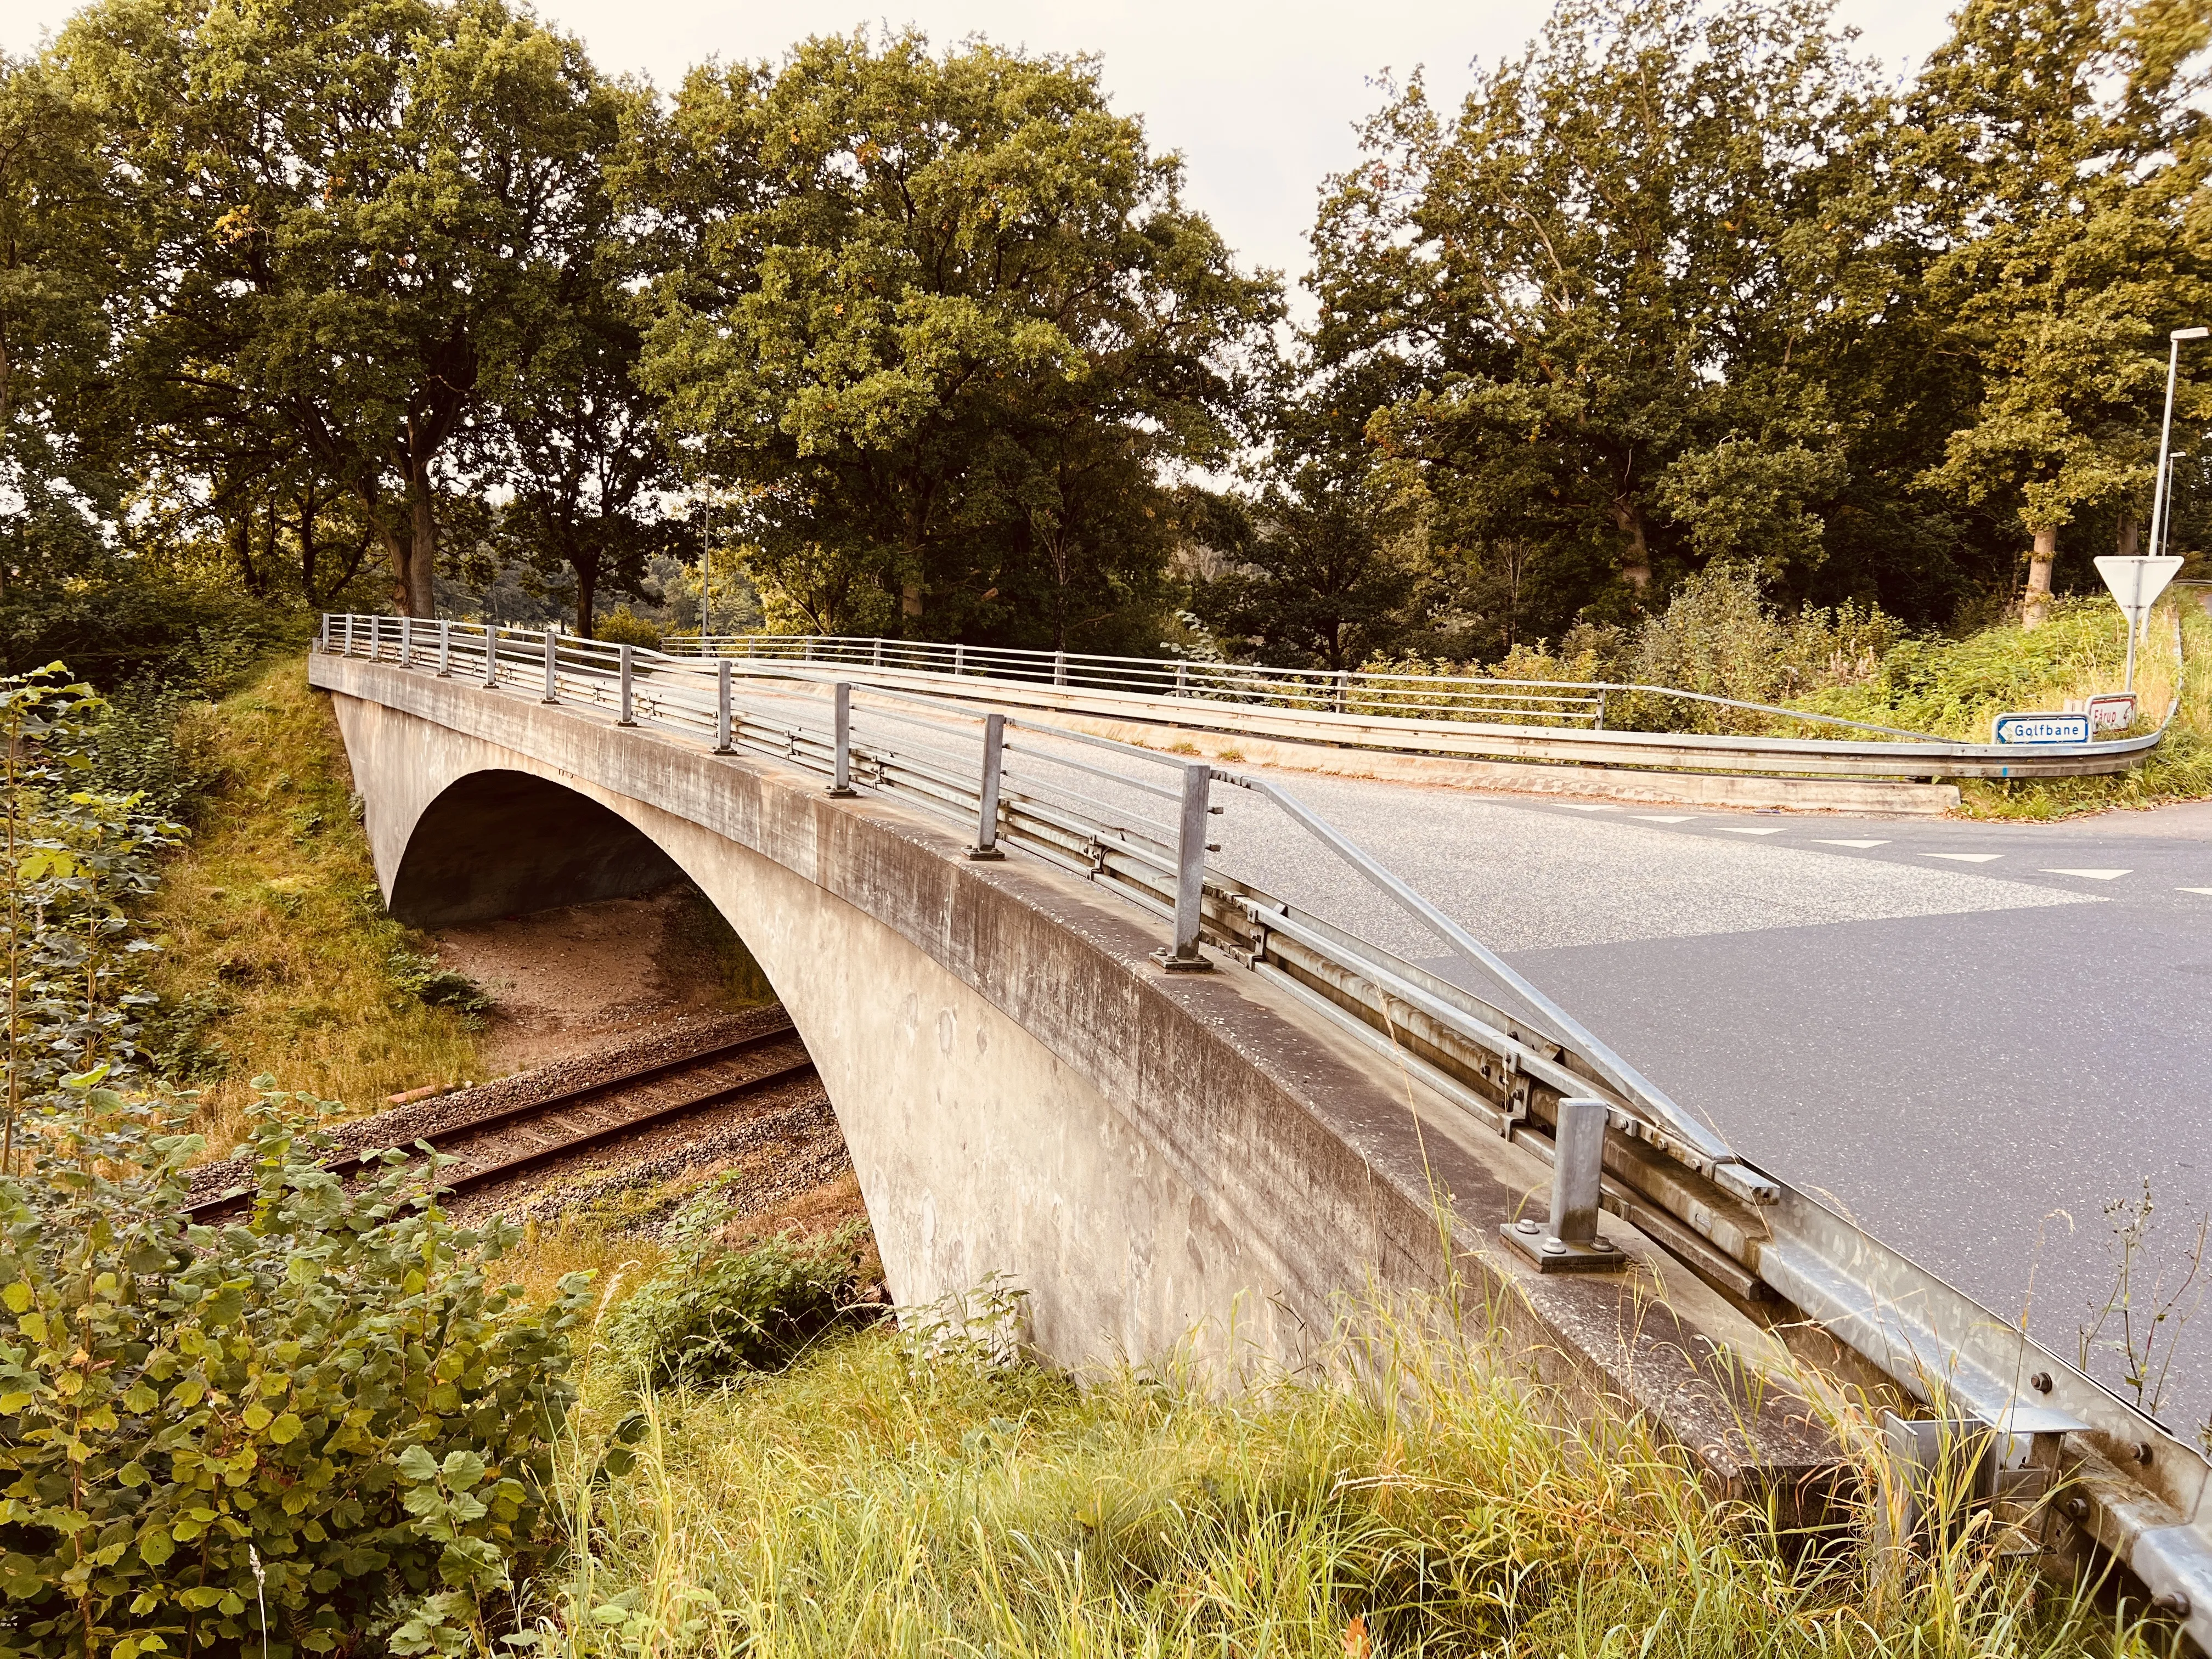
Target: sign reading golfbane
pixel 2023 729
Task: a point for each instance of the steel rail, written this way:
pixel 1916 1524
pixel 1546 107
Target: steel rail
pixel 1746 1232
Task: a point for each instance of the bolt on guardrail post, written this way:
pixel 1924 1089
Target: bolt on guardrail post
pixel 622 660
pixel 1184 957
pixel 1568 1241
pixel 407 641
pixel 491 656
pixel 987 806
pixel 722 707
pixel 444 648
pixel 841 765
pixel 552 661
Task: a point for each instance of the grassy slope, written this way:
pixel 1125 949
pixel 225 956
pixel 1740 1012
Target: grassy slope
pixel 867 1502
pixel 276 945
pixel 1953 688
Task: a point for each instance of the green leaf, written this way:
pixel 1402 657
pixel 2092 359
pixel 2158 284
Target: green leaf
pixel 17 1296
pixel 418 1465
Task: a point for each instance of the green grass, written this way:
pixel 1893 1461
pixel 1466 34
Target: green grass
pixel 277 955
pixel 867 1502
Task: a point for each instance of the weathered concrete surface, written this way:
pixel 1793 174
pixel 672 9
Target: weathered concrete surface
pixel 1158 1159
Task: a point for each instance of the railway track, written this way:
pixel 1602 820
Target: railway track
pixel 515 1141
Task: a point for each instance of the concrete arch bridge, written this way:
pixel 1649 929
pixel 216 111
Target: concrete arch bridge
pixel 1063 1045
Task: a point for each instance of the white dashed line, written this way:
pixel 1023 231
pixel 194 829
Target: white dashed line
pixel 2193 890
pixel 1582 806
pixel 1849 843
pixel 1965 858
pixel 1657 817
pixel 2094 875
pixel 1750 828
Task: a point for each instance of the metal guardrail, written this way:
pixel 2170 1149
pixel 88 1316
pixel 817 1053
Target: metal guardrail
pixel 1555 721
pixel 1506 1064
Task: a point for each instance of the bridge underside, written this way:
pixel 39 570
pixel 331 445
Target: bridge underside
pixel 1160 1162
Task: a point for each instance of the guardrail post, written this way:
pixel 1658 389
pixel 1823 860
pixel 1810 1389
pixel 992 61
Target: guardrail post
pixel 407 641
pixel 986 805
pixel 959 658
pixel 491 656
pixel 1343 691
pixel 1568 1241
pixel 621 659
pixel 1184 957
pixel 722 707
pixel 324 643
pixel 1060 668
pixel 444 648
pixel 1182 680
pixel 877 658
pixel 349 634
pixel 1600 712
pixel 552 662
pixel 841 764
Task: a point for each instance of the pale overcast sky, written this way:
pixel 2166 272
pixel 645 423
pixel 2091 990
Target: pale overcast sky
pixel 1261 98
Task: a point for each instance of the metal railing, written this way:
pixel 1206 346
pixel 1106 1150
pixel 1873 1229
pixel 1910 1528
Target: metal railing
pixel 1580 704
pixel 1508 1063
pixel 1463 715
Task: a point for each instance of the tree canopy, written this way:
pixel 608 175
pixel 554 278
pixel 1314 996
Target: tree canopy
pixel 332 301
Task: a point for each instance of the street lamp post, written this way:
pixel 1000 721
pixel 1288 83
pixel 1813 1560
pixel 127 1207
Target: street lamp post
pixel 2160 511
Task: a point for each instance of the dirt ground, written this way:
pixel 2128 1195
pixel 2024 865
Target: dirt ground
pixel 565 982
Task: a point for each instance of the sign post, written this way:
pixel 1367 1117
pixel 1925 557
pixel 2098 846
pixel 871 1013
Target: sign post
pixel 2137 583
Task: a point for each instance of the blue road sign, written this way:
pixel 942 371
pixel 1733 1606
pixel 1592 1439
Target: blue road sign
pixel 2040 728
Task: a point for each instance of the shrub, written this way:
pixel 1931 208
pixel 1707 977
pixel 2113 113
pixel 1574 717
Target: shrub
pixel 420 977
pixel 708 1312
pixel 268 1434
pixel 622 626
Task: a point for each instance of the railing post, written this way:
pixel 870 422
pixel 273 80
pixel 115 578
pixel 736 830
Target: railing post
pixel 445 647
pixel 349 634
pixel 1060 668
pixel 622 659
pixel 552 666
pixel 1182 680
pixel 877 659
pixel 986 805
pixel 1568 1240
pixel 1601 711
pixel 722 707
pixel 407 641
pixel 324 645
pixel 1343 689
pixel 491 656
pixel 841 765
pixel 1184 957
pixel 959 660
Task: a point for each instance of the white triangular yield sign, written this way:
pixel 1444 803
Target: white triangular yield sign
pixel 2137 583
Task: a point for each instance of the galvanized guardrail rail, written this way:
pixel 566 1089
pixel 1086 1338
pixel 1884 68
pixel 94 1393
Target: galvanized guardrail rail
pixel 1507 1065
pixel 1471 715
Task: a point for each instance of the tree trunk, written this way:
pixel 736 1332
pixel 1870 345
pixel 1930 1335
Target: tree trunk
pixel 910 598
pixel 1636 557
pixel 421 599
pixel 307 549
pixel 586 566
pixel 2130 537
pixel 2037 605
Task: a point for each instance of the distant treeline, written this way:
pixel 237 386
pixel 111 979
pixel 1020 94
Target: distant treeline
pixel 315 301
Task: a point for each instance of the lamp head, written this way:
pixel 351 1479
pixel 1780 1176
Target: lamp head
pixel 2188 333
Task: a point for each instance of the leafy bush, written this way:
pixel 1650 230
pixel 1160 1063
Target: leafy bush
pixel 622 626
pixel 270 1435
pixel 708 1311
pixel 420 977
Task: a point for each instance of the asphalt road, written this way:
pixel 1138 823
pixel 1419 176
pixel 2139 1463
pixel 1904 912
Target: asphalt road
pixel 1971 1037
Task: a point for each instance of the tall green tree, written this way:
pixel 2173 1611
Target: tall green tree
pixel 936 322
pixel 61 470
pixel 348 213
pixel 2058 146
pixel 1582 304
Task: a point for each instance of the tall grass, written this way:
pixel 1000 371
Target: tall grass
pixel 277 956
pixel 871 1501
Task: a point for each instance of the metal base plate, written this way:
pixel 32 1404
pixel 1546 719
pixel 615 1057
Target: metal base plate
pixel 835 793
pixel 985 853
pixel 1555 1255
pixel 1169 963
